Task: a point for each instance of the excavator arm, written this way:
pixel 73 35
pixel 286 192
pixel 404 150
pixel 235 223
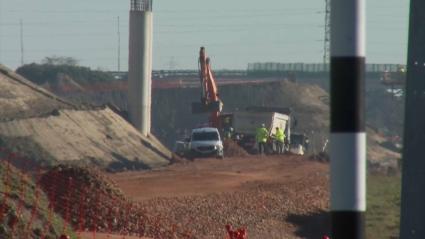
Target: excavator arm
pixel 210 101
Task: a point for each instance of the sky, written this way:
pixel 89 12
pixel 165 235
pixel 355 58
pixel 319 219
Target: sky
pixel 234 32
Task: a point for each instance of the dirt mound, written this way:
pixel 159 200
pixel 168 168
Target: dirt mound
pixel 32 116
pixel 232 149
pixel 24 211
pixel 95 137
pixel 90 201
pixel 19 98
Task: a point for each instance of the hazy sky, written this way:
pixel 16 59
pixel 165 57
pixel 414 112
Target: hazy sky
pixel 234 32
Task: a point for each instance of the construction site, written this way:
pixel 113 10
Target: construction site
pixel 180 154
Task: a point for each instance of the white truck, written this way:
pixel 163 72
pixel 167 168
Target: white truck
pixel 245 124
pixel 203 142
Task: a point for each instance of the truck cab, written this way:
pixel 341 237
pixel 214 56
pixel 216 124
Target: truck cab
pixel 205 142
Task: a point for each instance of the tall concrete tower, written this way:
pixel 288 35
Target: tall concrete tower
pixel 140 65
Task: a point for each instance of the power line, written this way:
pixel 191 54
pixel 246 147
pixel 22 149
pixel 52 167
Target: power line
pixel 185 11
pixel 281 43
pixel 165 18
pixel 195 29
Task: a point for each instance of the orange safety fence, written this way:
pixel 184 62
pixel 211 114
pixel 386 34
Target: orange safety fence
pixel 86 204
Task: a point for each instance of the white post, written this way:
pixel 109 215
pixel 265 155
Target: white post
pixel 348 137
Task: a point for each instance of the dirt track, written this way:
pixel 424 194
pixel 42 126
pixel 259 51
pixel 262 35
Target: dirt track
pixel 272 196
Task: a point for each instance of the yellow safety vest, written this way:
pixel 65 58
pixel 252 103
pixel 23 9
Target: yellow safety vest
pixel 280 135
pixel 262 135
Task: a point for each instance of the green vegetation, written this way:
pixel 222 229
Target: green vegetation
pixel 383 209
pixel 54 69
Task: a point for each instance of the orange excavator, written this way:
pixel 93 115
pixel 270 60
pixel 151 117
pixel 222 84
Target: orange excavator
pixel 210 101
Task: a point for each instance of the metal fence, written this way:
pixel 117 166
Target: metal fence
pixel 312 67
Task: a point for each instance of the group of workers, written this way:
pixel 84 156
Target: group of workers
pixel 262 136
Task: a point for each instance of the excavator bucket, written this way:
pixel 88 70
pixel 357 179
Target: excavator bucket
pixel 199 108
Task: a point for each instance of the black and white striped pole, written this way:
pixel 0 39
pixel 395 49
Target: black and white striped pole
pixel 348 137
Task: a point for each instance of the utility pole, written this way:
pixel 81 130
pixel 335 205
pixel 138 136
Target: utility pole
pixel 348 136
pixel 413 164
pixel 21 24
pixel 119 45
pixel 327 36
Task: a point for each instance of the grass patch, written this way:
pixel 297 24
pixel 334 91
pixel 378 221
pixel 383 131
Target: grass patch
pixel 383 209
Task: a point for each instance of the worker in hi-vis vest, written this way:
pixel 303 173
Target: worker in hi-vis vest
pixel 261 138
pixel 279 138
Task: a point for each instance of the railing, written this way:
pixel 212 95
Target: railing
pixel 311 67
pixel 141 5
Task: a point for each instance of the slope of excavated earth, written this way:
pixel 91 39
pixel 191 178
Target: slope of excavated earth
pixel 20 98
pixel 273 197
pixel 96 136
pixel 48 129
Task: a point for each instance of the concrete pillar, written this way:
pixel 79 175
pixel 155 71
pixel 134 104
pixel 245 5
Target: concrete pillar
pixel 140 65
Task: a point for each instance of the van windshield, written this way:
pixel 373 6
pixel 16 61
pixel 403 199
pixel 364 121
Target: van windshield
pixel 204 136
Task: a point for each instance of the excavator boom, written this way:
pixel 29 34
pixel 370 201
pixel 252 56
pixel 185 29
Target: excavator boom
pixel 210 101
